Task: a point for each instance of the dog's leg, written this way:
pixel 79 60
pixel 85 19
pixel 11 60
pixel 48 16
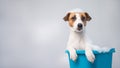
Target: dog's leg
pixel 72 52
pixel 89 54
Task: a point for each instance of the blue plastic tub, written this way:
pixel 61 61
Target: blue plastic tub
pixel 103 60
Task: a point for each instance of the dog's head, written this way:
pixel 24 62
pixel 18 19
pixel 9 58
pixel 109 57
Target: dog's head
pixel 77 19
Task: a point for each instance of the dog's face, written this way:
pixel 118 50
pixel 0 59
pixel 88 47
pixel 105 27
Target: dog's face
pixel 77 20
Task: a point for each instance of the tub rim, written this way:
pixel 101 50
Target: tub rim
pixel 112 50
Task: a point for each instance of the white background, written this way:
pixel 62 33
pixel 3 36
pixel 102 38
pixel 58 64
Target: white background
pixel 34 35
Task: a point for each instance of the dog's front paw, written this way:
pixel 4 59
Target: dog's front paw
pixel 90 56
pixel 73 56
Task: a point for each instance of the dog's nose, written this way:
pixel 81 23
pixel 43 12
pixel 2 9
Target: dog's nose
pixel 80 25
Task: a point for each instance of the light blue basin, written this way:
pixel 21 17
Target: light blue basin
pixel 103 60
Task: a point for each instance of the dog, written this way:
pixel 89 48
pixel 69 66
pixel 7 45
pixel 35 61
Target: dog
pixel 78 40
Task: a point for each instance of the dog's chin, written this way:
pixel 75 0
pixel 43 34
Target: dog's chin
pixel 78 30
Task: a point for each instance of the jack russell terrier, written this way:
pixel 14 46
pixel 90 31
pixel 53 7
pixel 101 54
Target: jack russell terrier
pixel 77 20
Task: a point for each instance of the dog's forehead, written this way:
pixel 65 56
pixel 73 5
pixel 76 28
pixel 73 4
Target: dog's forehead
pixel 77 14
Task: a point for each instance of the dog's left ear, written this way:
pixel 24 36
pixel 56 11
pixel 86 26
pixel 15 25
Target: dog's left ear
pixel 88 18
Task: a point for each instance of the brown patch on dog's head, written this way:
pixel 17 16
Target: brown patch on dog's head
pixel 85 17
pixel 70 17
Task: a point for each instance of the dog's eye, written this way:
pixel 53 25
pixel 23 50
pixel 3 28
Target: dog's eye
pixel 73 18
pixel 83 18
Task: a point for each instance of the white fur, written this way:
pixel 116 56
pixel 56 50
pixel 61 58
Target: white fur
pixel 79 40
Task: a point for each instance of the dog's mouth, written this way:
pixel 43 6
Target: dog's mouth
pixel 79 29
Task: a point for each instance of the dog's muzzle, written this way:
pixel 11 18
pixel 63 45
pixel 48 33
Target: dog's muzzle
pixel 79 26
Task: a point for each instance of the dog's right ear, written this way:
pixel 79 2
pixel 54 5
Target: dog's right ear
pixel 66 17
